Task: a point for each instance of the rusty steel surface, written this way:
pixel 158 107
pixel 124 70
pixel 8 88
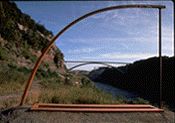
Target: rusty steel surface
pixel 30 80
pixel 94 105
pixel 95 108
pixel 160 57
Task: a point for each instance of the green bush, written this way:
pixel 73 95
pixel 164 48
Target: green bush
pixel 46 65
pixel 86 82
pixel 24 70
pixel 57 59
pixel 26 53
pixel 55 99
pixel 140 101
pixel 3 54
pixel 33 58
pixel 47 74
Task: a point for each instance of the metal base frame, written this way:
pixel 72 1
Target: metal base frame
pixel 94 107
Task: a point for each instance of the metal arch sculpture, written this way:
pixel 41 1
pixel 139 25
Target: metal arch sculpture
pixel 30 80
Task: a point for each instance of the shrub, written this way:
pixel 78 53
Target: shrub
pixel 86 82
pixel 57 59
pixel 26 53
pixel 140 101
pixel 3 54
pixel 33 58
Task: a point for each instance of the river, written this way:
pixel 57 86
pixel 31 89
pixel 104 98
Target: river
pixel 115 91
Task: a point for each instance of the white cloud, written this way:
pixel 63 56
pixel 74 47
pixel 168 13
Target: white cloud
pixel 82 50
pixel 140 28
pixel 126 56
pixel 125 17
pixel 120 57
pixel 115 40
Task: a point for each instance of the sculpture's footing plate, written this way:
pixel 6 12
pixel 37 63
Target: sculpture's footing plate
pixel 95 107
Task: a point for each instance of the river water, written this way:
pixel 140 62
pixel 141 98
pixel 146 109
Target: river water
pixel 115 91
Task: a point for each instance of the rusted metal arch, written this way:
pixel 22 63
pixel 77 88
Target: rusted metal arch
pixel 30 80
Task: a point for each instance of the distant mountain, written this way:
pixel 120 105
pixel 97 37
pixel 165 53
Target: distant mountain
pixel 142 77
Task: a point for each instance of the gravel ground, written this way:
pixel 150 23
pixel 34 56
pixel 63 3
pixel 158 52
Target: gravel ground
pixel 25 116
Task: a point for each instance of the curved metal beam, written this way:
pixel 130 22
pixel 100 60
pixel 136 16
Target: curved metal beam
pixel 30 80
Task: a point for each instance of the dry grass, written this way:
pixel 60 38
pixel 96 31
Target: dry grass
pixel 10 88
pixel 10 102
pixel 72 94
pixel 10 94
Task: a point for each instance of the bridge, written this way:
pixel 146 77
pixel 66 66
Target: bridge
pixel 105 63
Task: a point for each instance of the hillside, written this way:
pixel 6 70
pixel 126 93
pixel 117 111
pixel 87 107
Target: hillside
pixel 142 77
pixel 21 43
pixel 22 40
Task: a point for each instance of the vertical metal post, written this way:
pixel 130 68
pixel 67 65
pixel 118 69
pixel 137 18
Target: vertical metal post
pixel 160 58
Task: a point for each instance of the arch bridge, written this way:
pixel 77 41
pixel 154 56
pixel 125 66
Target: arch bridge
pixel 105 63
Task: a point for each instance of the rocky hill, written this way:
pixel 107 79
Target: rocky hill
pixel 22 41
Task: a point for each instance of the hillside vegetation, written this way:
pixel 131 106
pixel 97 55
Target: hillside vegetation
pixel 142 77
pixel 21 38
pixel 22 41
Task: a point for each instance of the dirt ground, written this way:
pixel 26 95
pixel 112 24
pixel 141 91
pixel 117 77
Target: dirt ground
pixel 26 116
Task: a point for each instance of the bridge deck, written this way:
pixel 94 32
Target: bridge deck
pixel 107 62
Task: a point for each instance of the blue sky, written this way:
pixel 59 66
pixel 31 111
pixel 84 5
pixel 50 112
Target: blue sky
pixel 124 35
